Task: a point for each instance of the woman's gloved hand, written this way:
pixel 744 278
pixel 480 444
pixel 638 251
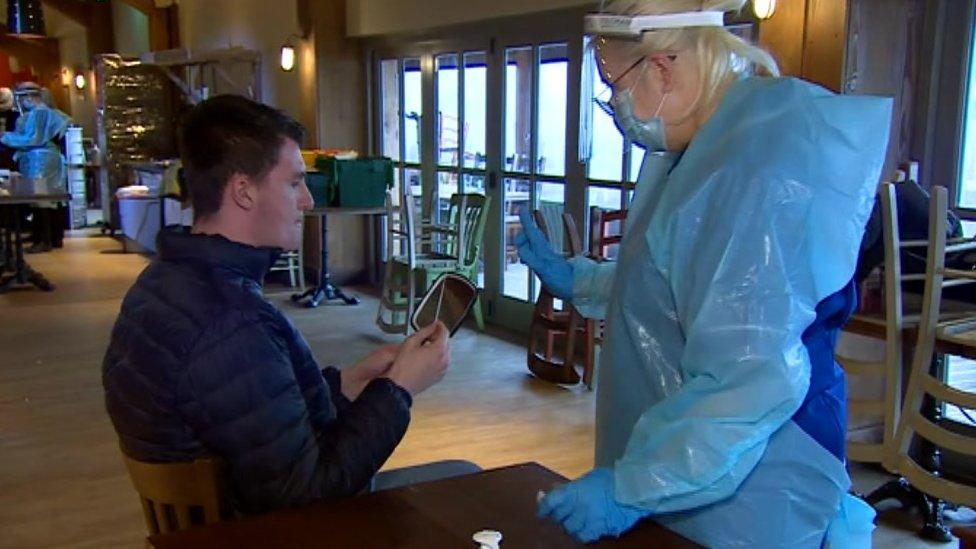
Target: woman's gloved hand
pixel 587 509
pixel 553 269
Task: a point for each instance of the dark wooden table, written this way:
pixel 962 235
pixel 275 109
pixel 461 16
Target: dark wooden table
pixel 438 514
pixel 22 274
pixel 325 290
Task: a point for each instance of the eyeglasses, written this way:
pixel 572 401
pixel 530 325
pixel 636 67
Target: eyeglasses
pixel 602 99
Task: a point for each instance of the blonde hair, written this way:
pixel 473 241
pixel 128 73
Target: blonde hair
pixel 722 56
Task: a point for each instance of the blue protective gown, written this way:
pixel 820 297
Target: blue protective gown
pixel 37 153
pixel 720 408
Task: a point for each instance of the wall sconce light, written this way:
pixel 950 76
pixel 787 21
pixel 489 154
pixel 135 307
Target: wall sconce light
pixel 80 80
pixel 763 9
pixel 65 77
pixel 288 54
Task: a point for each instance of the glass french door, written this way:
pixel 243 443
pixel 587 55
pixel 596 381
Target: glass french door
pixel 478 117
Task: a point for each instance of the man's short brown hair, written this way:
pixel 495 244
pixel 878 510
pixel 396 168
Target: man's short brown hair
pixel 227 135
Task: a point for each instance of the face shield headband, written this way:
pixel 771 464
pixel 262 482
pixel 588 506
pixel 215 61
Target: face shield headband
pixel 631 26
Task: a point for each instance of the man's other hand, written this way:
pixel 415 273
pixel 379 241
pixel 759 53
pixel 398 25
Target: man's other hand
pixel 376 364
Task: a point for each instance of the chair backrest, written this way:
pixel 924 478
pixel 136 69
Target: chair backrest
pixel 606 232
pixel 922 382
pixel 470 226
pixel 552 212
pixel 177 496
pixel 400 226
pixel 889 370
pixel 572 234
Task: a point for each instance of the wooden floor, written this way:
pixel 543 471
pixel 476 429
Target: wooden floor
pixel 62 483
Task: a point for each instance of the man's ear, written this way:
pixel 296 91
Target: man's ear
pixel 241 191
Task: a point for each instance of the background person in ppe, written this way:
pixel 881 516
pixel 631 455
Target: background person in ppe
pixel 720 409
pixel 36 142
pixel 8 121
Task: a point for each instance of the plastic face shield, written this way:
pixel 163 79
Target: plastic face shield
pixel 632 26
pixel 598 82
pixel 449 300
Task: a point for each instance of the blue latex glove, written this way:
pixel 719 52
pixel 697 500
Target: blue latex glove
pixel 587 509
pixel 555 272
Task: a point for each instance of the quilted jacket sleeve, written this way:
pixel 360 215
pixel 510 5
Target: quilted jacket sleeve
pixel 241 395
pixel 333 379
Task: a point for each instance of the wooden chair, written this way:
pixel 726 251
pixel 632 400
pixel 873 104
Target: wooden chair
pixel 606 232
pixel 922 382
pixel 889 369
pixel 293 262
pixel 454 246
pixel 605 235
pixel 548 323
pixel 177 496
pixel 398 295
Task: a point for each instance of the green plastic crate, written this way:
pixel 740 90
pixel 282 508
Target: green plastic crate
pixel 318 185
pixel 358 183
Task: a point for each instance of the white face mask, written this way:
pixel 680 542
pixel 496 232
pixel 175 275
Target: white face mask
pixel 648 133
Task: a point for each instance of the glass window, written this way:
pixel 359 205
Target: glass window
pixel 606 198
pixel 448 119
pixel 518 109
pixel 474 184
pixel 412 179
pixel 549 202
pixel 412 110
pixel 553 87
pixel 475 110
pixel 961 374
pixel 607 147
pixel 516 274
pixel 967 179
pixel 636 158
pixel 390 108
pixel 447 186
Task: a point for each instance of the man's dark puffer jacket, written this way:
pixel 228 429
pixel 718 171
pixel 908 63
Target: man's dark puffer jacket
pixel 200 362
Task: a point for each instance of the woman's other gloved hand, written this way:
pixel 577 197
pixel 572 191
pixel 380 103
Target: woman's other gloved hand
pixel 552 268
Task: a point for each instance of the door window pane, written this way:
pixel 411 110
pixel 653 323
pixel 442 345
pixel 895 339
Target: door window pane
pixel 475 184
pixel 549 202
pixel 515 274
pixel 961 374
pixel 636 158
pixel 475 109
pixel 412 110
pixel 448 119
pixel 447 186
pixel 390 109
pixel 607 148
pixel 553 87
pixel 606 198
pixel 967 182
pixel 412 179
pixel 518 109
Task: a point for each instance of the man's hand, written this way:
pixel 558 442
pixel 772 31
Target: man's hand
pixel 374 365
pixel 422 360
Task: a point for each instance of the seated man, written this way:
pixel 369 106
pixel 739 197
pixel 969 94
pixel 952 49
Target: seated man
pixel 199 362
